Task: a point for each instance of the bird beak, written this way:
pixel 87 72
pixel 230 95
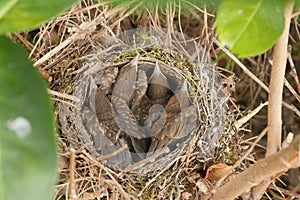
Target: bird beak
pixel 157 72
pixel 135 61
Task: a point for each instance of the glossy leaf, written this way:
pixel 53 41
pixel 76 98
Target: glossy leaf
pixel 27 139
pixel 20 15
pixel 249 27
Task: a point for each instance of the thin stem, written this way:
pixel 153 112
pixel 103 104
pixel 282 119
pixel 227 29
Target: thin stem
pixel 276 84
pixel 262 170
pixel 280 55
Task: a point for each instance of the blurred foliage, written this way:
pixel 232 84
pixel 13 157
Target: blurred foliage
pixel 24 15
pixel 185 5
pixel 27 137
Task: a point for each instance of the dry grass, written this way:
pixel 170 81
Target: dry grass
pixel 58 50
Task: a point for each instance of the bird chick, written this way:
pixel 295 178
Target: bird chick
pixel 107 78
pixel 156 120
pixel 179 100
pixel 102 144
pixel 158 85
pixel 177 103
pixel 105 116
pixel 174 120
pixel 125 119
pixel 126 80
pixel 141 86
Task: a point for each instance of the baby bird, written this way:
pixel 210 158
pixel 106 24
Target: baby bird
pixel 105 116
pixel 108 78
pixel 174 119
pixel 156 120
pixel 125 119
pixel 125 83
pixel 158 90
pixel 141 86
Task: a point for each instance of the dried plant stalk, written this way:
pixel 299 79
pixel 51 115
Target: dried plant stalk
pixel 262 170
pixel 276 84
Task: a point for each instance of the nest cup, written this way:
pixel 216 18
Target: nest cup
pixel 120 120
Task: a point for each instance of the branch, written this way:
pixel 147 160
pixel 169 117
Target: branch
pixel 276 84
pixel 275 95
pixel 262 170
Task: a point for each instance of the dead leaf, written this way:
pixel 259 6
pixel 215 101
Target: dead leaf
pixel 215 172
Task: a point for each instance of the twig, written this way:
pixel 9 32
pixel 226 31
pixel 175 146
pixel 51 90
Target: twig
pixel 243 157
pixel 122 148
pixel 291 89
pixel 275 96
pixel 158 175
pixel 262 170
pixel 77 35
pixel 64 96
pixel 292 108
pixel 287 192
pixel 251 75
pixel 238 123
pixel 63 101
pixel 190 148
pixel 39 40
pixel 73 194
pixel 120 188
pixel 140 163
pixel 241 65
pixel 293 71
pixel 58 48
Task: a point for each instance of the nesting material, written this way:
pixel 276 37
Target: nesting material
pixel 144 95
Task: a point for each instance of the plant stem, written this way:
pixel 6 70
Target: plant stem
pixel 275 96
pixel 260 171
pixel 276 84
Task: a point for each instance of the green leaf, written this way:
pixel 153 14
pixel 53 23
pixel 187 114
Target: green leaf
pixel 212 5
pixel 297 6
pixel 27 138
pixel 249 27
pixel 20 15
pixel 162 4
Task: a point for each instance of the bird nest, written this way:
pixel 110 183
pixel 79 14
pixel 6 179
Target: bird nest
pixel 142 97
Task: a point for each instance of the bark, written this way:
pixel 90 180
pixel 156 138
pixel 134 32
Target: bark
pixel 276 84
